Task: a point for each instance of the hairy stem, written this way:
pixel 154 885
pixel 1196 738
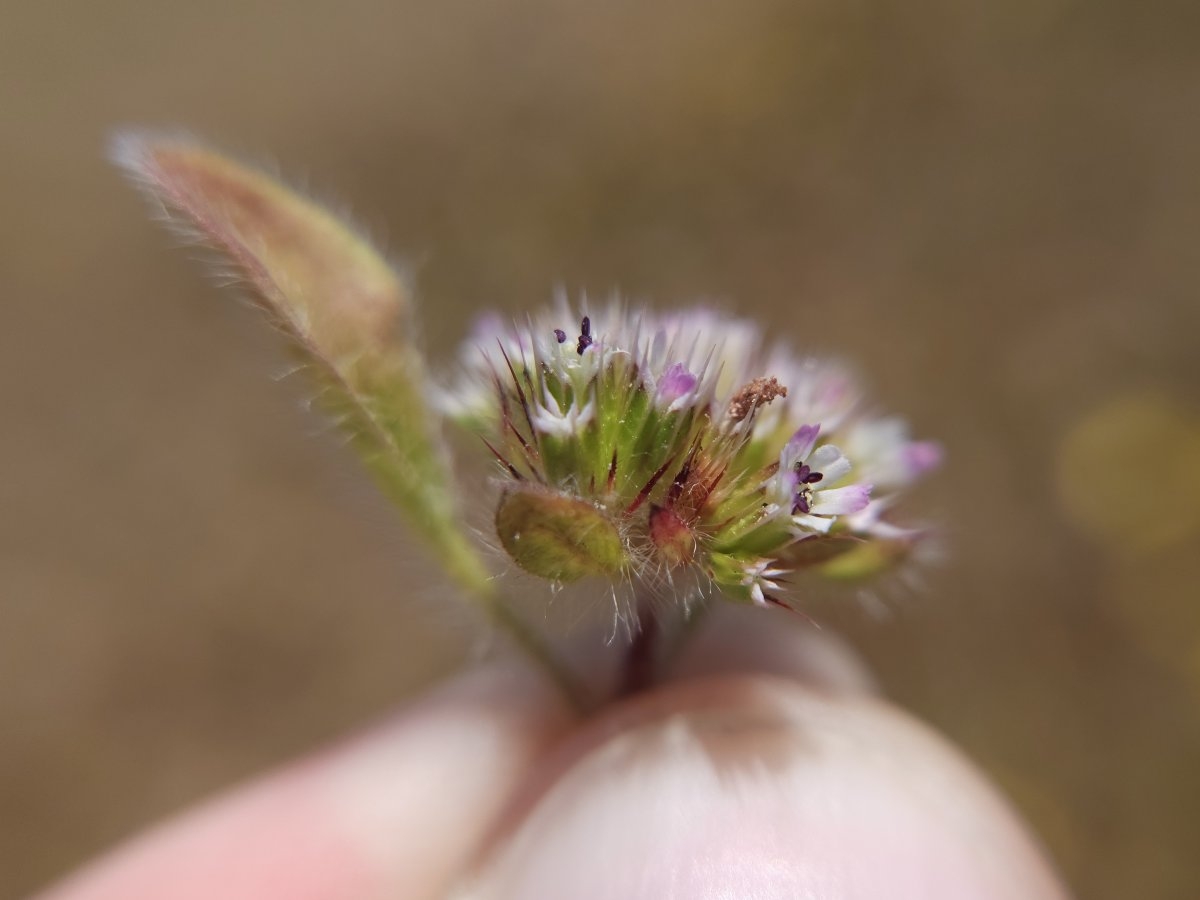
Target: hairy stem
pixel 538 649
pixel 641 660
pixel 685 628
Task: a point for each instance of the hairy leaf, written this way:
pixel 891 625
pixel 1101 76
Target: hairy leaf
pixel 557 536
pixel 341 305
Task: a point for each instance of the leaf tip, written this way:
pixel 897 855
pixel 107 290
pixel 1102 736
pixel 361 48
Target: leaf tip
pixel 136 152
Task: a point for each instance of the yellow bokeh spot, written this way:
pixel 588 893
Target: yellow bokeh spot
pixel 1128 473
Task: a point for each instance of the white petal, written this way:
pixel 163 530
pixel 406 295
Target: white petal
pixel 756 594
pixel 586 414
pixel 553 425
pixel 830 462
pixel 811 523
pixel 842 501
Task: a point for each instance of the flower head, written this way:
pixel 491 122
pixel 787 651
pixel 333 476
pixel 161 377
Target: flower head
pixel 683 434
pixel 649 448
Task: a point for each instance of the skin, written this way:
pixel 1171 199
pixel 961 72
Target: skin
pixel 765 767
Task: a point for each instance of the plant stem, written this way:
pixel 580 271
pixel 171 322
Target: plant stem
pixel 684 630
pixel 538 649
pixel 641 660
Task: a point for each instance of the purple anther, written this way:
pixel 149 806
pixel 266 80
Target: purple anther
pixel 560 335
pixel 585 335
pixel 805 475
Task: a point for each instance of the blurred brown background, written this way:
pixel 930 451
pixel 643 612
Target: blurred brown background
pixel 993 206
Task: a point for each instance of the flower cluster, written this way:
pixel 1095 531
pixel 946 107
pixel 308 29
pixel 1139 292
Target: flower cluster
pixel 680 454
pixel 639 446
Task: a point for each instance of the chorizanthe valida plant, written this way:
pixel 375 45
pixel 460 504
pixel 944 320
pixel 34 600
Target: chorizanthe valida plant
pixel 678 457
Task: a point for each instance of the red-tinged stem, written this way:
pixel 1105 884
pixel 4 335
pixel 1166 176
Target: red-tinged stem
pixel 641 662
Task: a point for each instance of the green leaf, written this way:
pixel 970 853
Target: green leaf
pixel 343 308
pixel 557 536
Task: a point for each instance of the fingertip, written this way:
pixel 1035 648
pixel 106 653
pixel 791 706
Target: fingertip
pixel 394 811
pixel 760 787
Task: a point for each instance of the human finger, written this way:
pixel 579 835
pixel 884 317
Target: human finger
pixel 394 812
pixel 757 787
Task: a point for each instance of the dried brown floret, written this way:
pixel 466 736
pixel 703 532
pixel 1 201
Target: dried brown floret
pixel 758 392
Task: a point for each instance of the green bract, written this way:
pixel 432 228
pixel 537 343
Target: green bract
pixel 557 536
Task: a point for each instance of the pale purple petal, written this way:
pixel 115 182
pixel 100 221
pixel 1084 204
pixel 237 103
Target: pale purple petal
pixel 801 443
pixel 781 489
pixel 842 501
pixel 489 326
pixel 835 392
pixel 675 383
pixel 789 481
pixel 490 331
pixel 921 457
